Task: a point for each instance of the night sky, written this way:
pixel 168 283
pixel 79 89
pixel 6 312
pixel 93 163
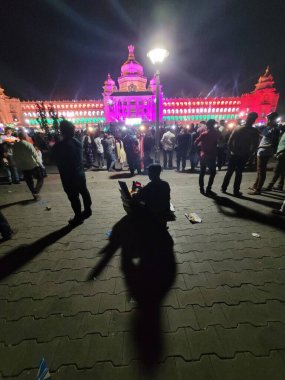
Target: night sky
pixel 63 49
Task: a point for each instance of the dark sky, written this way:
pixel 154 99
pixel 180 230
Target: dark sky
pixel 63 49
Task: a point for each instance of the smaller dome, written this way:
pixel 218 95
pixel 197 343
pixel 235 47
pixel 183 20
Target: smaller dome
pixel 109 81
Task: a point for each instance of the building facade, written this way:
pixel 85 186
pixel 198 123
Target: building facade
pixel 133 102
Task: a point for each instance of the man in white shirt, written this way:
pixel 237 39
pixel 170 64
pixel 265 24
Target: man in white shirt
pixel 168 144
pixel 27 160
pixel 99 151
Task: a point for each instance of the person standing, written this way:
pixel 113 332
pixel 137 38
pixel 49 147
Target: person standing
pixel 183 143
pixel 148 145
pixel 88 149
pixel 168 144
pixel 7 156
pixel 68 155
pixel 242 143
pixel 120 153
pixel 27 160
pixel 132 149
pixel 279 171
pixel 109 145
pixel 266 149
pixel 208 141
pixel 99 151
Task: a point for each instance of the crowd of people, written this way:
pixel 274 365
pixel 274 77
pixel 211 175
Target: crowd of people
pixel 209 145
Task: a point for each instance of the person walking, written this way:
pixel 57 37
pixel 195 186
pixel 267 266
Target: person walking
pixel 168 144
pixel 183 143
pixel 132 149
pixel 266 149
pixel 120 153
pixel 68 155
pixel 27 160
pixel 242 143
pixel 208 141
pixel 279 171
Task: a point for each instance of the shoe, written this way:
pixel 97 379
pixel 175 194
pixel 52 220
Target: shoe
pixel 177 170
pixel 184 170
pixel 268 188
pixel 223 190
pixel 210 192
pixel 254 192
pixel 10 183
pixel 76 221
pixel 252 188
pixel 238 194
pixel 278 188
pixel 16 182
pixel 9 235
pixel 202 191
pixel 278 212
pixel 86 214
pixel 36 197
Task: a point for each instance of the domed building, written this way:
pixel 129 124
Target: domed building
pixel 133 103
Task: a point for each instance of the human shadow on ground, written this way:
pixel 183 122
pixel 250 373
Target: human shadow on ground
pixel 264 202
pixel 21 255
pixel 244 212
pixel 149 268
pixel 25 202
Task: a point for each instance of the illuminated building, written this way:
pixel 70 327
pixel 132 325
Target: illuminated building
pixel 133 102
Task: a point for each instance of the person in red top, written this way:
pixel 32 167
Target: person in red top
pixel 208 144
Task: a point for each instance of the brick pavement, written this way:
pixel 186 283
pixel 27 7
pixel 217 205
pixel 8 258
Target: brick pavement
pixel 223 318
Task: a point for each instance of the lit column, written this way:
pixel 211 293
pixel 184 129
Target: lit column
pixel 157 56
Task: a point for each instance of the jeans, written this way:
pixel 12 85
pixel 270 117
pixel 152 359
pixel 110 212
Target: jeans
pixel 279 172
pixel 111 159
pixel 134 163
pixel 194 159
pixel 262 162
pixel 73 191
pixel 29 176
pixel 181 156
pixel 100 158
pixel 12 173
pixel 221 157
pixel 167 156
pixel 236 164
pixel 209 162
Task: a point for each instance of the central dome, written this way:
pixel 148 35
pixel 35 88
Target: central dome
pixel 131 66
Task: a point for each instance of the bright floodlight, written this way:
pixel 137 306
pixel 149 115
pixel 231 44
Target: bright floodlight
pixel 157 55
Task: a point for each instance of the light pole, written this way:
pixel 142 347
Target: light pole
pixel 157 56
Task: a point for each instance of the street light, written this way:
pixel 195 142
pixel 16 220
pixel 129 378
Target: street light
pixel 157 56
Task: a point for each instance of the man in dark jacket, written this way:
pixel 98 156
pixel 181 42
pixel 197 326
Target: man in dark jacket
pixel 69 159
pixel 208 141
pixel 183 143
pixel 242 143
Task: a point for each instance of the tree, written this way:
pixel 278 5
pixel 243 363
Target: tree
pixel 42 117
pixel 54 115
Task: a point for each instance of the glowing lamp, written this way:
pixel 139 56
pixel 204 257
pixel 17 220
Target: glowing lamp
pixel 90 129
pixel 157 55
pixel 173 127
pixel 231 125
pixel 124 128
pixel 142 127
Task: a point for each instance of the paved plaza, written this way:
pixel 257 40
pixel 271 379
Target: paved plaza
pixel 222 318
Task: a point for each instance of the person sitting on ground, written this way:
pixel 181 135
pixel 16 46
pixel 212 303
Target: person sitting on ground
pixel 68 155
pixel 155 196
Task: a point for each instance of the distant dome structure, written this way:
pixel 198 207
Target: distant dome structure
pixel 265 81
pixel 132 77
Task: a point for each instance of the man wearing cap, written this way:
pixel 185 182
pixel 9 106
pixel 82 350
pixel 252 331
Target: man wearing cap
pixel 208 141
pixel 242 143
pixel 266 149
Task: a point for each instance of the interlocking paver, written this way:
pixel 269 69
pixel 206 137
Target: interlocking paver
pixel 222 319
